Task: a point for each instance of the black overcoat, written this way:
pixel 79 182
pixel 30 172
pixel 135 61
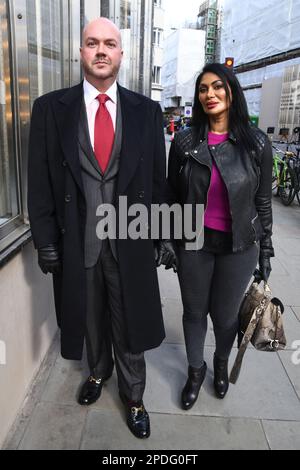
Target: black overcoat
pixel 57 210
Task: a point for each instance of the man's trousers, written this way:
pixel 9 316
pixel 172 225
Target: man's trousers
pixel 106 328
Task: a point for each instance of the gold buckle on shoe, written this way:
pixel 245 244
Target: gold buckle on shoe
pixel 97 381
pixel 136 409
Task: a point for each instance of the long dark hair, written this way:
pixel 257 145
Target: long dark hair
pixel 239 122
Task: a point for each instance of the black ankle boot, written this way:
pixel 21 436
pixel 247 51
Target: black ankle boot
pixel 221 382
pixel 191 390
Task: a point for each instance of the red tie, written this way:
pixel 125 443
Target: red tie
pixel 104 133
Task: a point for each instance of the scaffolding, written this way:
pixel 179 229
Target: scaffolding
pixel 254 30
pixel 208 22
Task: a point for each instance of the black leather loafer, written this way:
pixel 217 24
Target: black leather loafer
pixel 137 417
pixel 91 390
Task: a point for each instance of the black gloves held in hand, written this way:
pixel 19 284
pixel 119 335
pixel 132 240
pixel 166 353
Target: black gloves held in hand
pixel 263 273
pixel 165 254
pixel 49 259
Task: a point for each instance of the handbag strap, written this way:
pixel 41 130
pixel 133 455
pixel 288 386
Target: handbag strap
pixel 258 312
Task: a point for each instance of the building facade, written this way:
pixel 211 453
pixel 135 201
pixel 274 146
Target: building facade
pixel 184 57
pixel 264 39
pixel 208 21
pixel 157 41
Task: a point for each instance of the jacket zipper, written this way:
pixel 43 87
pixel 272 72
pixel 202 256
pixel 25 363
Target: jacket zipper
pixel 208 193
pixel 210 172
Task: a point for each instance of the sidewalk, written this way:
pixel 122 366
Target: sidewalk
pixel 262 411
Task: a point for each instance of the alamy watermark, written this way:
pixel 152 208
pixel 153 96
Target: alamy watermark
pixel 162 221
pixel 296 354
pixel 2 353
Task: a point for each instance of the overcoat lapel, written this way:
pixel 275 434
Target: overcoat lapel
pixel 67 115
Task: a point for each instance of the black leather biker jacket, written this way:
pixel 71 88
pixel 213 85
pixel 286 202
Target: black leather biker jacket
pixel 248 180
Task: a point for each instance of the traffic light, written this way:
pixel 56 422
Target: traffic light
pixel 229 61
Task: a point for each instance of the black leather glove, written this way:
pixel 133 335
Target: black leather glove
pixel 49 259
pixel 263 273
pixel 165 254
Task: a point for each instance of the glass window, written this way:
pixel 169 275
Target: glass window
pixel 38 63
pixel 210 47
pixel 125 14
pixel 44 46
pixel 157 36
pixel 211 31
pixel 212 15
pixel 134 19
pixel 156 75
pixel 9 200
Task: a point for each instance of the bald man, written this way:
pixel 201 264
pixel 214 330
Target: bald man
pixel 89 145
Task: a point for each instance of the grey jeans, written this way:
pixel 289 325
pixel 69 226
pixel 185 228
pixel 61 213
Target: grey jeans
pixel 215 284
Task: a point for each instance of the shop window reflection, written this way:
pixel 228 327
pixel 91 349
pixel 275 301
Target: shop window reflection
pixel 9 207
pixel 44 46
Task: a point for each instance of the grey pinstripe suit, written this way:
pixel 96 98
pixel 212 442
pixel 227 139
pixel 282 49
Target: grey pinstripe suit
pixel 98 188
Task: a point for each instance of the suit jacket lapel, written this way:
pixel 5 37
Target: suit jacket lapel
pixel 67 115
pixel 84 139
pixel 132 122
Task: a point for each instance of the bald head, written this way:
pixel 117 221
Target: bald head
pixel 101 23
pixel 101 53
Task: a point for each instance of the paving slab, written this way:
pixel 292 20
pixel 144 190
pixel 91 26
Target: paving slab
pixel 286 288
pixel 296 311
pixel 107 430
pixel 64 384
pixel 282 435
pixel 291 362
pixel 32 398
pixel 290 245
pixel 168 284
pixel 172 313
pixel 278 265
pixel 291 326
pixel 263 389
pixel 54 427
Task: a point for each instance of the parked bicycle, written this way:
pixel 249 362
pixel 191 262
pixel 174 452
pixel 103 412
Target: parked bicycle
pixel 294 177
pixel 279 167
pixel 286 175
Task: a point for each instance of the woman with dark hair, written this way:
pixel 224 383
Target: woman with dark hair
pixel 224 163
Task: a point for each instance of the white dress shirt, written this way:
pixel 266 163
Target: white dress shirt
pixel 92 105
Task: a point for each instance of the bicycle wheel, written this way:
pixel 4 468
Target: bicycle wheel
pixel 287 186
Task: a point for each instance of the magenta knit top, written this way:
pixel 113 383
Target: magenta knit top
pixel 217 213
